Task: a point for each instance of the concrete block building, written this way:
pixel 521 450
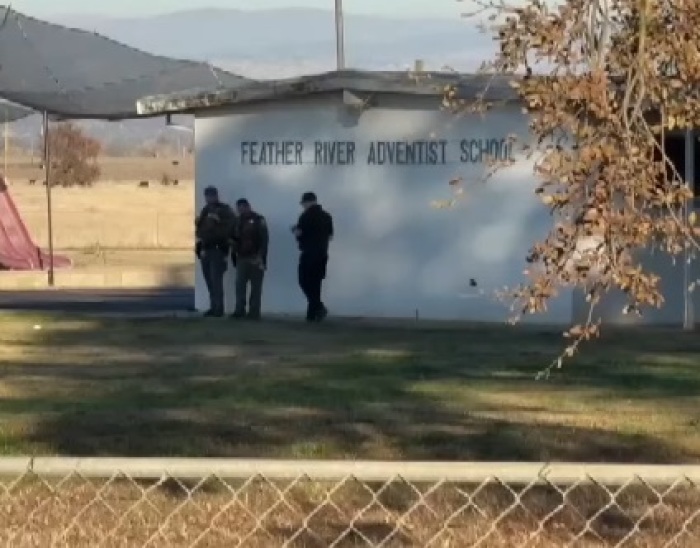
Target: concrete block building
pixel 379 150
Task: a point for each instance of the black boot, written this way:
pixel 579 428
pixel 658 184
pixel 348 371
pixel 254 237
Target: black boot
pixel 322 313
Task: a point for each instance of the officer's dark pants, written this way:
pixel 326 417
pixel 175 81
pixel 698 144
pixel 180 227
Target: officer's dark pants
pixel 248 271
pixel 213 267
pixel 312 272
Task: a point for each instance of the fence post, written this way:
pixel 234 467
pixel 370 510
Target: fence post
pixel 157 230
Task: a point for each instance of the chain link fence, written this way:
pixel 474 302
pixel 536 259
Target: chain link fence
pixel 212 503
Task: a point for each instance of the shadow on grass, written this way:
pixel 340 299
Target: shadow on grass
pixel 280 389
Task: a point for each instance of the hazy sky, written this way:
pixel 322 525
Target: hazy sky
pixel 411 8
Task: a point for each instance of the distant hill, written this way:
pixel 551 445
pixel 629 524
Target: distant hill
pixel 263 41
pixel 278 43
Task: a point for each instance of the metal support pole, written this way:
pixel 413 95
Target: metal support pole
pixel 688 271
pixel 339 35
pixel 49 209
pixel 6 131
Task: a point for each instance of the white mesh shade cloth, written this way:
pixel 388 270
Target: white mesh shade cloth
pixel 10 112
pixel 73 73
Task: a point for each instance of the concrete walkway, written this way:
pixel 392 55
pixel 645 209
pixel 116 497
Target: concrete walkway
pixel 161 301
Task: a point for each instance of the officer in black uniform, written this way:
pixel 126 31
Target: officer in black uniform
pixel 214 227
pixel 313 231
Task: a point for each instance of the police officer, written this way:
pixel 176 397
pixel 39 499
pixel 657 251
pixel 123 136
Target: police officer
pixel 251 240
pixel 313 231
pixel 213 231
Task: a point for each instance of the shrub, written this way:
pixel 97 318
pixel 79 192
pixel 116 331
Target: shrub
pixel 73 156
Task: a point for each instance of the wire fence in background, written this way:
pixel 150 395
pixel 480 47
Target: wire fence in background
pixel 212 503
pixel 80 229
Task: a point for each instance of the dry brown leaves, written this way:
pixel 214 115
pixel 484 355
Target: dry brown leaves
pixel 603 82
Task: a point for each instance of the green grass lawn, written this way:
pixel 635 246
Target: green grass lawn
pixel 350 390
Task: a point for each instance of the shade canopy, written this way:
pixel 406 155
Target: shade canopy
pixel 73 73
pixel 9 112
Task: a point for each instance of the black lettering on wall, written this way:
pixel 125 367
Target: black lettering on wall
pixel 477 151
pixel 379 153
pixel 334 153
pixel 407 153
pixel 271 153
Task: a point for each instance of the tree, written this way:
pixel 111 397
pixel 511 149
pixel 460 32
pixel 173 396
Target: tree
pixel 604 82
pixel 73 156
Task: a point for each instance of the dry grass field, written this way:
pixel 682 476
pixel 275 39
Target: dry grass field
pixel 99 387
pixel 119 169
pixel 116 212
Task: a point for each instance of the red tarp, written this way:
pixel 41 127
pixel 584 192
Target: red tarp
pixel 17 250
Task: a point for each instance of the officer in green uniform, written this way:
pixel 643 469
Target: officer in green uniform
pixel 251 240
pixel 213 231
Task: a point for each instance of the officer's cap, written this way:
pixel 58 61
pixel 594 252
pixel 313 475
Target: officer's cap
pixel 308 197
pixel 242 202
pixel 211 191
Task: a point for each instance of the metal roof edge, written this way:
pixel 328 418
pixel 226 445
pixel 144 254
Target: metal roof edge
pixel 409 83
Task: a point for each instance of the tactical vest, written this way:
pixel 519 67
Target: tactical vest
pixel 249 235
pixel 213 232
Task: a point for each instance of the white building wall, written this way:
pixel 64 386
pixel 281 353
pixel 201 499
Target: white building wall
pixel 394 255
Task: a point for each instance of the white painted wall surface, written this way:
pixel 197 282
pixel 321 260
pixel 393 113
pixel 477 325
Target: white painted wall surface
pixel 393 254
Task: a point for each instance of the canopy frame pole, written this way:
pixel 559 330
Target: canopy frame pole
pixel 6 144
pixel 49 208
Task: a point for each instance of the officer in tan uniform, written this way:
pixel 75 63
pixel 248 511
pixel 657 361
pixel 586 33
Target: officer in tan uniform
pixel 251 240
pixel 213 232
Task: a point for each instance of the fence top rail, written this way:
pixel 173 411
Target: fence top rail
pixel 368 471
